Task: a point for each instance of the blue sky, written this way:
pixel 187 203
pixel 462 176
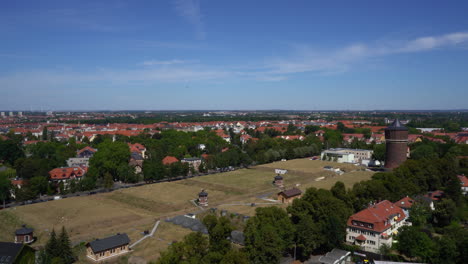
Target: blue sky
pixel 216 54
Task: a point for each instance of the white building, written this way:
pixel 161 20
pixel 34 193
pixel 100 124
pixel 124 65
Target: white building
pixel 375 226
pixel 337 156
pixel 348 155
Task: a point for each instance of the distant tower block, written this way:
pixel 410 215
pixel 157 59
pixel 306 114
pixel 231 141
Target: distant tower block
pixel 203 198
pixel 396 138
pixel 278 180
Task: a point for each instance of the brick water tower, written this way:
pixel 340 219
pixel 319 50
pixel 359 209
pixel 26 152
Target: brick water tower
pixel 396 140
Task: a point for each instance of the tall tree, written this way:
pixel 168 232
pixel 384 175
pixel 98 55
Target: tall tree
pixel 52 245
pixel 64 250
pixel 5 187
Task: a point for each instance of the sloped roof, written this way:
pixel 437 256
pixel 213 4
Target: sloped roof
pixel 405 203
pixel 169 160
pixel 377 215
pixel 463 180
pixel 87 148
pixel 107 243
pixel 396 125
pixel 23 231
pixel 9 252
pixel 291 192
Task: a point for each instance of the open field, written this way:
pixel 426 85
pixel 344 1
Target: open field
pixel 134 210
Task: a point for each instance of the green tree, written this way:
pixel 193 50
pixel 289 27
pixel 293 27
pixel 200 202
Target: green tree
pixel 64 250
pixel 268 235
pixel 10 151
pixel 108 181
pixel 414 243
pixel 379 152
pixel 51 248
pixel 5 187
pixel 446 251
pixel 444 212
pixel 219 229
pixel 234 256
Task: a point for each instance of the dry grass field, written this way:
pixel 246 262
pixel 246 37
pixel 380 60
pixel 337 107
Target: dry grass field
pixel 134 210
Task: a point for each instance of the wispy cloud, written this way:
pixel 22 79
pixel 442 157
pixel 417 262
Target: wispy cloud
pixel 301 59
pixel 306 59
pixel 190 11
pixel 164 62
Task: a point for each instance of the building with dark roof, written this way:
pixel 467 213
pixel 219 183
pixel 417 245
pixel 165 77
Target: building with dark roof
pixel 108 247
pixel 278 180
pixel 287 196
pixel 24 235
pixel 396 140
pixel 15 253
pixel 203 198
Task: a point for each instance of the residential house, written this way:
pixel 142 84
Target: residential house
pixel 375 226
pixel 138 148
pixel 102 249
pixel 292 137
pixel 464 183
pixel 24 235
pixel 194 162
pixel 287 196
pixel 86 152
pixel 405 204
pixel 12 253
pixel 67 174
pixel 168 160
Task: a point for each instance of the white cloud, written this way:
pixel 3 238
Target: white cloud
pixel 190 11
pixel 306 59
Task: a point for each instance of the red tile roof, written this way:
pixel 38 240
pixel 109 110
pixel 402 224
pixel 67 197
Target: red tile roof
pixel 463 180
pixel 361 238
pixel 87 148
pixel 137 147
pixel 67 173
pixel 376 216
pixel 169 160
pixel 405 203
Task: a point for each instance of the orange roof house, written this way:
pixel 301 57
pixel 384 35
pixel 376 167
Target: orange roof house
pixel 67 173
pixel 168 160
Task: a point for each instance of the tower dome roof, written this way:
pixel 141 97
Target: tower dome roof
pixel 278 177
pixel 396 125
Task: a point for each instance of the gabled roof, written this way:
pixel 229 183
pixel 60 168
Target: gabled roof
pixel 87 148
pixel 291 192
pixel 107 243
pixel 169 160
pixel 375 217
pixel 9 252
pixel 66 173
pixel 23 231
pixel 463 180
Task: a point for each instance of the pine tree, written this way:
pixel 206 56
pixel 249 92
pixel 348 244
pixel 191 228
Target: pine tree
pixel 64 247
pixel 52 246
